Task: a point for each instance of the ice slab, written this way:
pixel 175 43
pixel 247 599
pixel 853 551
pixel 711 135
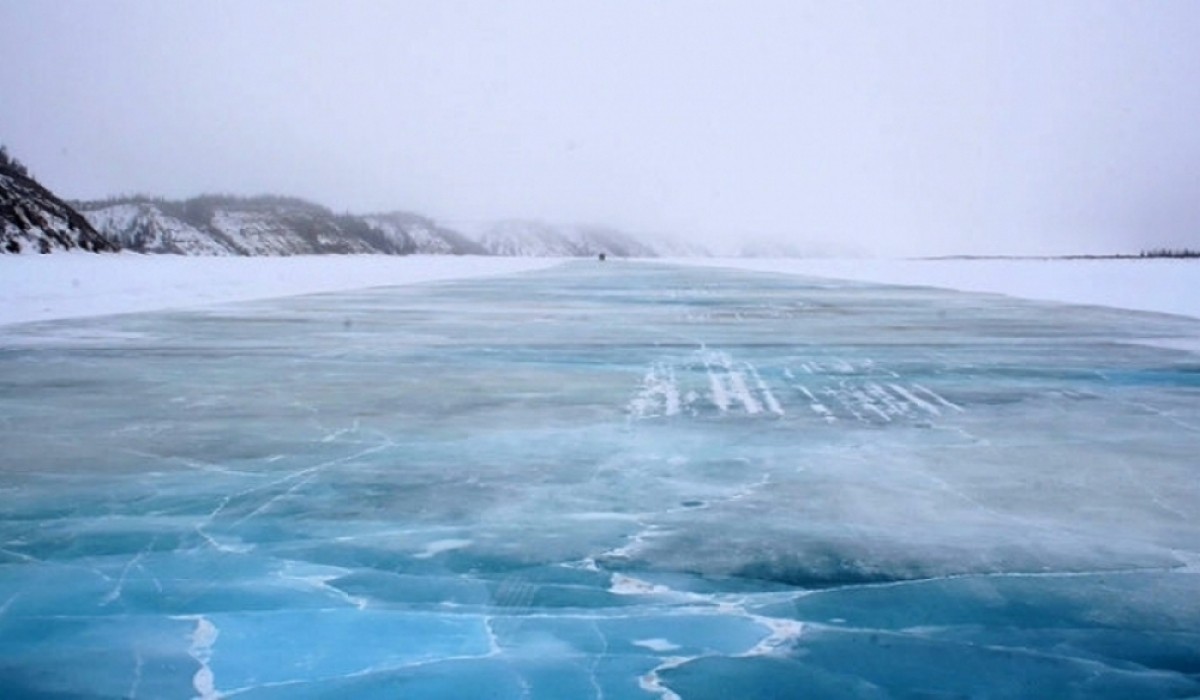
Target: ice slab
pixel 617 480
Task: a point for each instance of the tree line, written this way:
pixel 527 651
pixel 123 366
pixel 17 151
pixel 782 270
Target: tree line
pixel 12 165
pixel 1169 253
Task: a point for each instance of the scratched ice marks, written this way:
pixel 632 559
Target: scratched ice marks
pixel 711 381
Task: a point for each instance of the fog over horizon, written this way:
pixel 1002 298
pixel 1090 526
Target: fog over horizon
pixel 878 128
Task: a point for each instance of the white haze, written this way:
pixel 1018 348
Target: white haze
pixel 869 127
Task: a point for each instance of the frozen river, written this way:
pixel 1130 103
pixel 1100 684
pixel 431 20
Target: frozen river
pixel 619 480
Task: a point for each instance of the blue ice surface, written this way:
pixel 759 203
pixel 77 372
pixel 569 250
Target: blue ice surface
pixel 607 480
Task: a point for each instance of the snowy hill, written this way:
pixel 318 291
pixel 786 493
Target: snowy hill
pixel 33 219
pixel 222 225
pixel 537 239
pixel 423 235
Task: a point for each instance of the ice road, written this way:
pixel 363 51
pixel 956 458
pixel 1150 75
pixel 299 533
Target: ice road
pixel 607 480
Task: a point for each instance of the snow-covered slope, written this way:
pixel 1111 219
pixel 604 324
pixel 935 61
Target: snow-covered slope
pixel 423 235
pixel 215 225
pixel 537 239
pixel 144 227
pixel 33 219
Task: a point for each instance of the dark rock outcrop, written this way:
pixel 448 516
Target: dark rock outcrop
pixel 34 220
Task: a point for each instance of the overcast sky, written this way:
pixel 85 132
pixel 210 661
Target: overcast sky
pixel 877 127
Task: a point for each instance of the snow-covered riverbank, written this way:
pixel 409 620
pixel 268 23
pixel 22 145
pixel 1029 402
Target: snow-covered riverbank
pixel 1163 285
pixel 67 285
pixel 44 287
